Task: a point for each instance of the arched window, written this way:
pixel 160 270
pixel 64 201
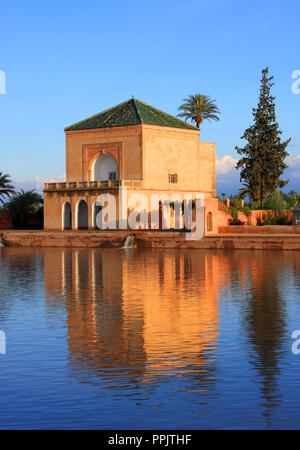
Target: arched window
pixel 209 222
pixel 82 215
pixel 105 168
pixel 67 216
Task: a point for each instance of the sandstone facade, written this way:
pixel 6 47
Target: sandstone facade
pixel 134 147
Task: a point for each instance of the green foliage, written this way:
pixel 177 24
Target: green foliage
pixel 235 221
pixel 263 157
pixel 278 204
pixel 292 198
pixel 22 205
pixel 233 211
pixel 235 202
pixel 278 201
pixel 275 218
pixel 254 205
pixel 3 241
pixel 198 108
pixel 244 192
pixel 6 189
pixel 236 206
pixel 246 210
pixel 275 201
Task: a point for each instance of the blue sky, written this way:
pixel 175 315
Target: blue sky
pixel 65 61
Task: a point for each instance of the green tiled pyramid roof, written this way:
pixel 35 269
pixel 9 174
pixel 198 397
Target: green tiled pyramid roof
pixel 131 112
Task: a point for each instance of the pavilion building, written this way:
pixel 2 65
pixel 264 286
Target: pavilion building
pixel 132 146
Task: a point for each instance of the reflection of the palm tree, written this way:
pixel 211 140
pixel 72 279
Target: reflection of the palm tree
pixel 147 314
pixel 18 267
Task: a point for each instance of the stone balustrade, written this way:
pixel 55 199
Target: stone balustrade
pixel 79 185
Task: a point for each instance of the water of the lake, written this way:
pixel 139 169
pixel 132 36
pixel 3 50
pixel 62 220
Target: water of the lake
pixel 149 339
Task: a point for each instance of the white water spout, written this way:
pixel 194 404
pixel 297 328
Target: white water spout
pixel 130 242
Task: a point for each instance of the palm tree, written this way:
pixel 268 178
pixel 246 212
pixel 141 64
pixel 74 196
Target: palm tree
pixel 22 205
pixel 243 193
pixel 6 189
pixel 198 108
pixel 250 191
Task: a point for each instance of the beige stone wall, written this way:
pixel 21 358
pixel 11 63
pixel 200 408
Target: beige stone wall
pixel 147 153
pixel 207 172
pixel 143 152
pixel 167 150
pixel 129 139
pixel 52 211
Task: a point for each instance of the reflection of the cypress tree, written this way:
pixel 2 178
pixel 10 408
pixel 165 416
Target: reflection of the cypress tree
pixel 265 323
pixel 259 277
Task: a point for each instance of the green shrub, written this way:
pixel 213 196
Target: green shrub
pixel 275 201
pixel 233 211
pixel 275 218
pixel 254 205
pixel 246 210
pixel 235 221
pixel 292 199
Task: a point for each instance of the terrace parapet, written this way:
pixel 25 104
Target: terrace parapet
pixel 89 185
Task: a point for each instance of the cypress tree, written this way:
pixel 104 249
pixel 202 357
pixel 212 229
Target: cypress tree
pixel 263 157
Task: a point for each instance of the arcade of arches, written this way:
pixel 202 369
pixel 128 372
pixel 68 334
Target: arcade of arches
pixel 82 215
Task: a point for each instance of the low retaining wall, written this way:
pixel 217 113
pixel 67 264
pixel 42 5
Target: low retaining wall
pixel 265 229
pixel 42 238
pixel 224 217
pixel 224 242
pixel 150 239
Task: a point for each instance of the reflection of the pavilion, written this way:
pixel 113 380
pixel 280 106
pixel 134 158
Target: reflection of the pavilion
pixel 135 314
pixel 153 313
pixel 136 317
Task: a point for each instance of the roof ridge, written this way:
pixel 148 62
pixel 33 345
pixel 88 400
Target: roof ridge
pixel 167 114
pixel 137 110
pixel 120 107
pixel 95 115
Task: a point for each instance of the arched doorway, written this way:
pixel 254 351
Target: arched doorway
pixel 105 168
pixel 96 210
pixel 209 222
pixel 67 216
pixel 82 215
